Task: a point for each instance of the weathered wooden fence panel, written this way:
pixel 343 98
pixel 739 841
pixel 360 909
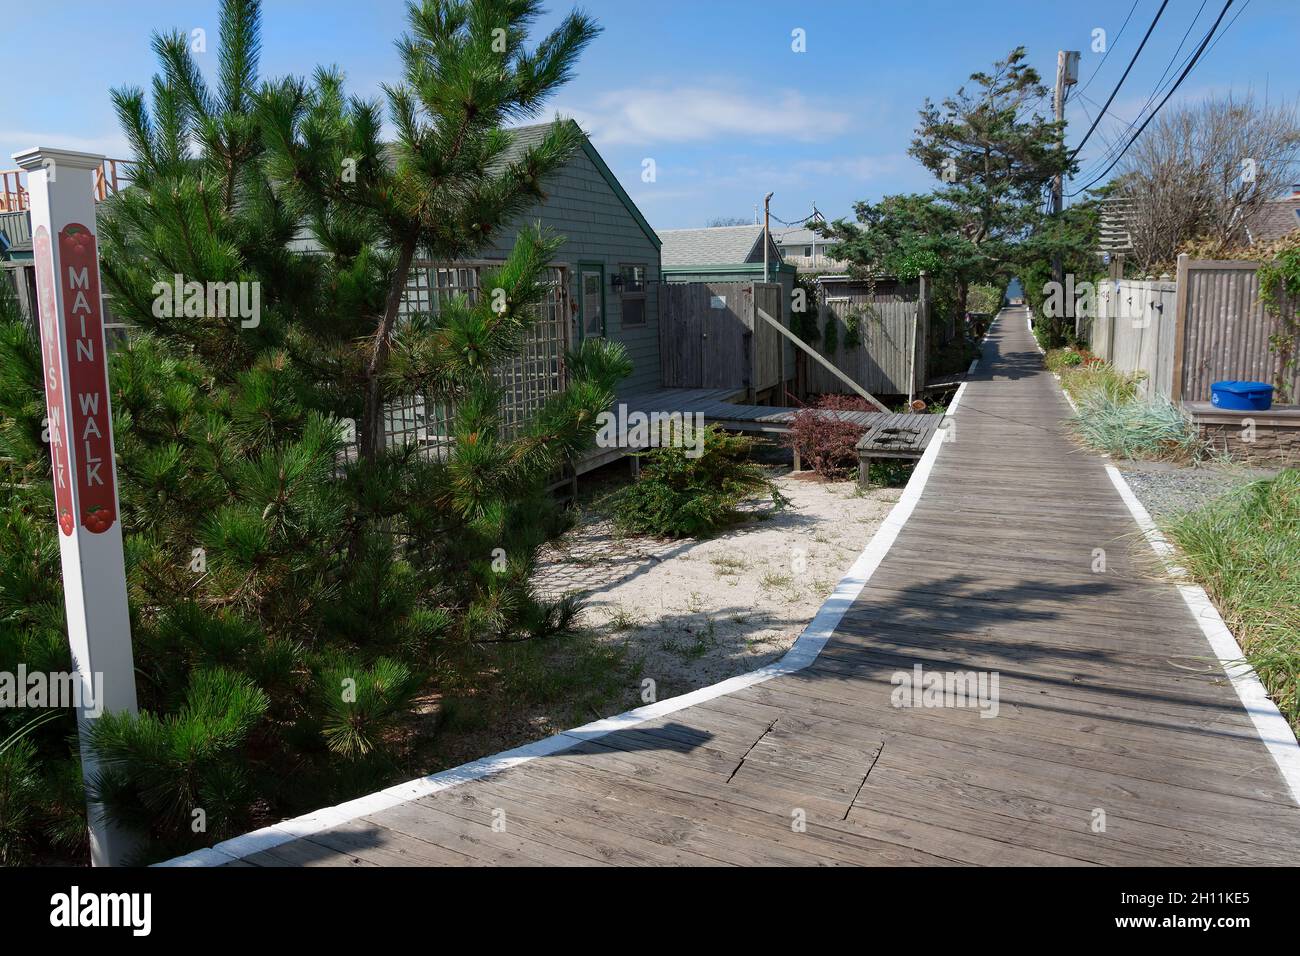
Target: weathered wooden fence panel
pixel 710 337
pixel 1226 331
pixel 1206 326
pixel 1134 330
pixel 769 344
pixel 889 358
pixel 705 334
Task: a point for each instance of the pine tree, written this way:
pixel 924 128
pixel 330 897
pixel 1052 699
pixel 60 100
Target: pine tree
pixel 443 186
pixel 289 601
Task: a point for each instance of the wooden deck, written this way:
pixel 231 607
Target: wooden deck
pixel 1117 738
pixel 717 408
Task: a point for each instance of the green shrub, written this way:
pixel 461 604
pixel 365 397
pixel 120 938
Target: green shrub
pixel 1244 549
pixel 831 333
pixel 680 495
pixel 1058 359
pixel 983 298
pixel 20 790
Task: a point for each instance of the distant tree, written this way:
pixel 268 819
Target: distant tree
pixel 728 221
pixel 1202 170
pixel 1074 237
pixel 992 150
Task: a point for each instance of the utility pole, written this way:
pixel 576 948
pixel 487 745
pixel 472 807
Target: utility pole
pixel 1067 74
pixel 767 230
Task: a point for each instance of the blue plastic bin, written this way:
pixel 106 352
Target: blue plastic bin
pixel 1242 396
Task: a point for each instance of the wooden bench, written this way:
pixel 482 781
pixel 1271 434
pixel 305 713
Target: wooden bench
pixel 903 435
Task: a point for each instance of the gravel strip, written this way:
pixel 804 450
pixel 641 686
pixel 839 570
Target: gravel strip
pixel 1167 490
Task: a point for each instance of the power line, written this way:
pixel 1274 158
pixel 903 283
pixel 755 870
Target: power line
pixel 1110 99
pixel 797 222
pixel 1112 46
pixel 1112 147
pixel 1159 88
pixel 1114 116
pixel 1173 89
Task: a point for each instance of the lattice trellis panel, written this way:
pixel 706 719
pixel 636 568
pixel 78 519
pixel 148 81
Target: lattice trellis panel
pixel 527 380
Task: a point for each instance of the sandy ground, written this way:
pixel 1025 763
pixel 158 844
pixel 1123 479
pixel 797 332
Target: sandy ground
pixel 697 612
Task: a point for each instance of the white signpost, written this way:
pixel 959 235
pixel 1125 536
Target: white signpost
pixel 60 185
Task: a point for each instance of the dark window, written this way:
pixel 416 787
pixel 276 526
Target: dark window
pixel 633 294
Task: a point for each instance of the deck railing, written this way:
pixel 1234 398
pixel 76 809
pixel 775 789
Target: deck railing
pixel 111 176
pixel 816 263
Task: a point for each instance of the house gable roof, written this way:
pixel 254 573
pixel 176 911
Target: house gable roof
pixel 526 136
pixel 1275 219
pixel 717 245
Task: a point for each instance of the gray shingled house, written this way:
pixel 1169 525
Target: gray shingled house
pixel 605 279
pixel 721 254
pixel 606 273
pixel 610 254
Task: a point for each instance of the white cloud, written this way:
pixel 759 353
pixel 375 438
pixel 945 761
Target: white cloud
pixel 698 113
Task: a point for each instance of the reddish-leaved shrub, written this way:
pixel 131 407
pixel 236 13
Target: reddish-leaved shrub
pixel 824 442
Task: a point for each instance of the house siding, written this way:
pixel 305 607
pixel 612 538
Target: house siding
pixel 597 227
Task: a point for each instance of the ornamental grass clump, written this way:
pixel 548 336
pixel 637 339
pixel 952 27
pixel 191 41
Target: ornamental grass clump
pixel 1129 427
pixel 1244 549
pixel 1114 417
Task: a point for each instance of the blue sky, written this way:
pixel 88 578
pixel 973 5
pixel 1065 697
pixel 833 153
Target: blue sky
pixel 711 90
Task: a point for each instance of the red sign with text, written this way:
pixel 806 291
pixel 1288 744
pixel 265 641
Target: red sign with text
pixel 44 261
pixel 89 428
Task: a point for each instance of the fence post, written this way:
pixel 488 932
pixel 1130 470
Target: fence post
pixel 1180 326
pixel 921 334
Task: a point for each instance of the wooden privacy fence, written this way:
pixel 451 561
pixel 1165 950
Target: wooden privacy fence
pixel 891 325
pixel 710 336
pixel 1133 329
pixel 1206 326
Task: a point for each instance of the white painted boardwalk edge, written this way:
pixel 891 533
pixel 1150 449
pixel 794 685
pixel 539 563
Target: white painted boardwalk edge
pixel 1271 726
pixel 803 652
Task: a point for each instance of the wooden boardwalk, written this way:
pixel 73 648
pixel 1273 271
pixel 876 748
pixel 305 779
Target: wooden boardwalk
pixel 1116 740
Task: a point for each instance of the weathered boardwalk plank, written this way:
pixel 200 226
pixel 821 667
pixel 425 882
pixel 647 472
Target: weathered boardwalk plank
pixel 1111 704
